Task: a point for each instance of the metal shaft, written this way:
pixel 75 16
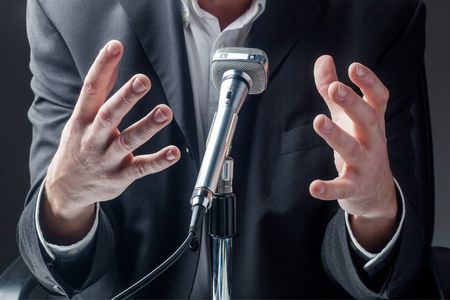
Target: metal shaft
pixel 222 263
pixel 222 230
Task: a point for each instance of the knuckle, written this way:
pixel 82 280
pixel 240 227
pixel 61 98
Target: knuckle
pixel 323 89
pixel 125 144
pixel 155 166
pixel 370 82
pixel 140 170
pixel 75 121
pixel 124 98
pixel 149 129
pixel 90 87
pixel 100 62
pixel 385 94
pixel 105 117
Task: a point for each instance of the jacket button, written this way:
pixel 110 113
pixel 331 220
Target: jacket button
pixel 193 246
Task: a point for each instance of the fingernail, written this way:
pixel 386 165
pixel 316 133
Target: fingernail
pixel 159 116
pixel 112 48
pixel 321 189
pixel 170 155
pixel 342 92
pixel 360 71
pixel 327 124
pixel 138 87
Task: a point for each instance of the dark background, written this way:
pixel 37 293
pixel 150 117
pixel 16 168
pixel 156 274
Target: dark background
pixel 15 134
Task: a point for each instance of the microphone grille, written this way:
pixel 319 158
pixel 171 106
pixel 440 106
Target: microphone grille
pixel 253 62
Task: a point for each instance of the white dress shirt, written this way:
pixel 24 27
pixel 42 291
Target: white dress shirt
pixel 203 37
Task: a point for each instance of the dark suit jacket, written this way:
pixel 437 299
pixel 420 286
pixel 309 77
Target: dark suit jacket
pixel 289 245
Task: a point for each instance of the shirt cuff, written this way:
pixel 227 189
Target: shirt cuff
pixel 64 252
pixel 374 257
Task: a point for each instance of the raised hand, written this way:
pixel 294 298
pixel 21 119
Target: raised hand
pixel 356 131
pixel 95 161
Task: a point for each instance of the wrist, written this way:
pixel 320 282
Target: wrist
pixel 58 203
pixel 373 224
pixel 62 222
pixel 373 233
pixel 375 229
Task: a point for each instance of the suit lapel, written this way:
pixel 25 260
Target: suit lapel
pixel 159 28
pixel 281 26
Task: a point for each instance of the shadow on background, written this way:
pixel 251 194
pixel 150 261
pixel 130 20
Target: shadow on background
pixel 15 98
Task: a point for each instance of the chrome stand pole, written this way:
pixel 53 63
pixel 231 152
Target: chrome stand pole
pixel 222 249
pixel 222 231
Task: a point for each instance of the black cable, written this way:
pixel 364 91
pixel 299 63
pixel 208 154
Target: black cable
pixel 198 212
pixel 136 287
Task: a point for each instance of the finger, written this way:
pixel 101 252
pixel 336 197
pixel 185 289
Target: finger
pixel 365 118
pixel 112 112
pixel 324 75
pixel 338 188
pixel 140 132
pixel 97 84
pixel 144 165
pixel 347 146
pixel 375 92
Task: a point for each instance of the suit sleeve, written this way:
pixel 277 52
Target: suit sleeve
pixel 56 84
pixel 400 69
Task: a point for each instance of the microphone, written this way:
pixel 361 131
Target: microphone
pixel 237 72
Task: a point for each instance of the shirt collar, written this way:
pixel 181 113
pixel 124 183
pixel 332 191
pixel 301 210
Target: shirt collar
pixel 191 7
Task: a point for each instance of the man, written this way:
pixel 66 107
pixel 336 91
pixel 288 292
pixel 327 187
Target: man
pixel 92 123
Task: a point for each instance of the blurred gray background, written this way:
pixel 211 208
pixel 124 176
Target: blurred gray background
pixel 15 97
pixel 438 70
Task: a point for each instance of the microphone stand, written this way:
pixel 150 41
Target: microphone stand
pixel 223 229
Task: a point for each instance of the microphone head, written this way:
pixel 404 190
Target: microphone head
pixel 253 62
